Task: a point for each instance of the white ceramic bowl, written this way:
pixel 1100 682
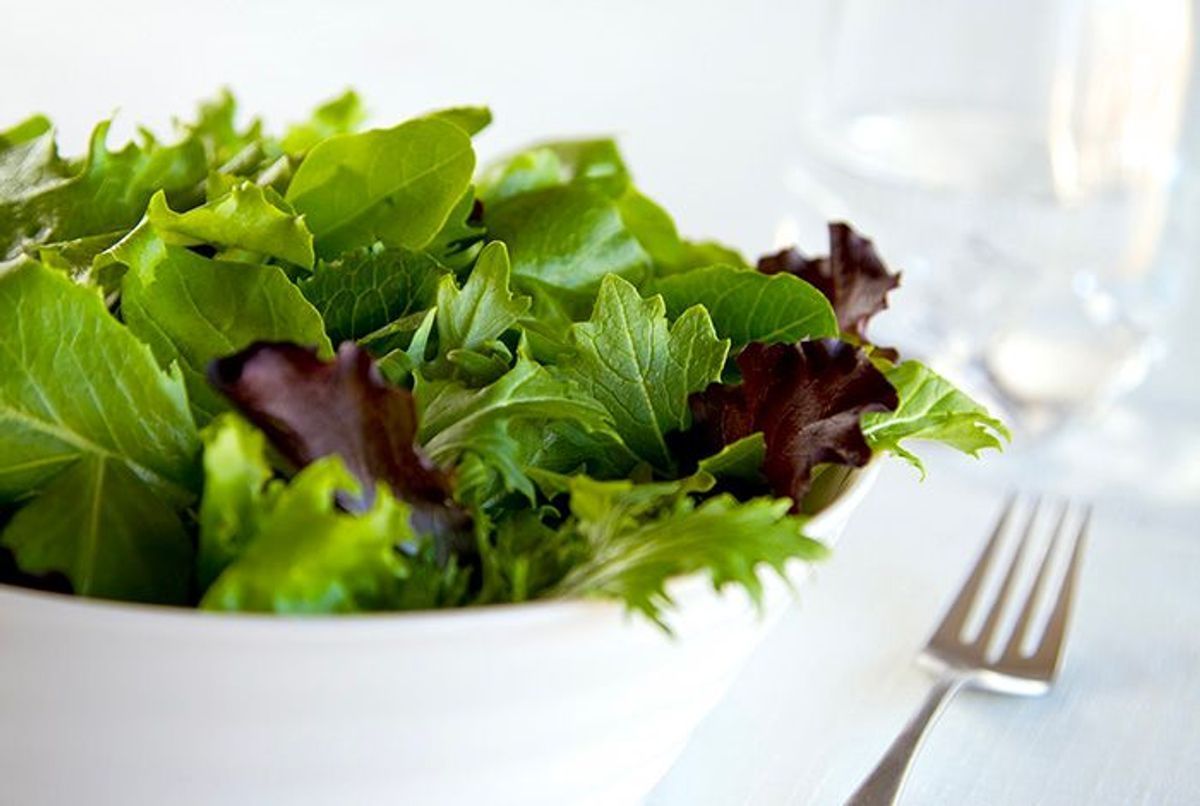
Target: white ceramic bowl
pixel 558 702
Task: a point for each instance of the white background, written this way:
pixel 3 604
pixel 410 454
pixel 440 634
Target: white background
pixel 704 99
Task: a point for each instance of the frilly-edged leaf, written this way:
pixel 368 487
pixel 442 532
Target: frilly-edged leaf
pixel 311 408
pixel 806 399
pixel 236 494
pixel 308 557
pixel 931 408
pixel 243 218
pixel 640 536
pixel 853 277
pixel 107 193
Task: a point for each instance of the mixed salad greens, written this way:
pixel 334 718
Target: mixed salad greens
pixel 343 371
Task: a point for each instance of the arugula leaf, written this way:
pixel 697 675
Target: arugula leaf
pixel 641 370
pixel 456 419
pixel 341 115
pixel 565 238
pixel 99 436
pixel 484 308
pixel 308 557
pixel 368 289
pixel 236 495
pixel 931 408
pixel 393 185
pixel 192 310
pixel 747 306
pixel 565 446
pixel 243 218
pixel 640 536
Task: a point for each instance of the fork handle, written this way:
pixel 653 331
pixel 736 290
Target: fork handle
pixel 882 786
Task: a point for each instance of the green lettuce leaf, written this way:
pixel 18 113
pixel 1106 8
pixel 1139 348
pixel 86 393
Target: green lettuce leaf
pixel 236 494
pixel 98 436
pixel 393 185
pixel 192 310
pixel 642 370
pixel 309 557
pixel 106 194
pixel 931 408
pixel 747 306
pixel 243 218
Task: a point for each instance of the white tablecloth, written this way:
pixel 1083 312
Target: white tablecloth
pixel 832 685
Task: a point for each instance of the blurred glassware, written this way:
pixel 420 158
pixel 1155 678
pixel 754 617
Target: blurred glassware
pixel 1015 159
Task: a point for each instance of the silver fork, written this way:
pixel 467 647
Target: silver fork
pixel 970 662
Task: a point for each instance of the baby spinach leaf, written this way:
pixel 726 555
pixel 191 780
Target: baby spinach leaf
pixel 340 115
pixel 748 306
pixel 393 185
pixel 566 237
pixel 595 163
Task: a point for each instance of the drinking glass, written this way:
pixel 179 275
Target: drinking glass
pixel 1015 158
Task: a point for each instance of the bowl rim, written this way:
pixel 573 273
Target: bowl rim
pixel 851 493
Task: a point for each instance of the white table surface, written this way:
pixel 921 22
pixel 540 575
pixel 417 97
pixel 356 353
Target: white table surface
pixel 703 99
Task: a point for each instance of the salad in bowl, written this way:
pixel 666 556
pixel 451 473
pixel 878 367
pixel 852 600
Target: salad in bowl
pixel 344 371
